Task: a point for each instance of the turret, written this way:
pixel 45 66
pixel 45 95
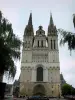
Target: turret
pixel 40 38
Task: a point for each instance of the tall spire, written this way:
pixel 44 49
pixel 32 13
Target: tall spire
pixel 51 28
pixel 29 28
pixel 51 20
pixel 30 19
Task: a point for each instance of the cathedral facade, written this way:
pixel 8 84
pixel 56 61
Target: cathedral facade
pixel 40 67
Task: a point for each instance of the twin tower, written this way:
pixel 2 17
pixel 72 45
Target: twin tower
pixel 40 67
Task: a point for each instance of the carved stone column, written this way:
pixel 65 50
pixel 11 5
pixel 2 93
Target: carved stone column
pixel 33 79
pixel 45 74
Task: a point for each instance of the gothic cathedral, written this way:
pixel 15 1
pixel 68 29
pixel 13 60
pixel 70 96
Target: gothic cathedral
pixel 40 67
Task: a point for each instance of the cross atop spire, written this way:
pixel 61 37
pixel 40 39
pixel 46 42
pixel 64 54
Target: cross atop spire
pixel 30 19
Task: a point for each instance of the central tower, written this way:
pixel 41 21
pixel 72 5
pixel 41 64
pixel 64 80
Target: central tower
pixel 40 69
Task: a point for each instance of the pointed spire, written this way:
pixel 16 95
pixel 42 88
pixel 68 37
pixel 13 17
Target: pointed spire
pixel 29 28
pixel 51 28
pixel 51 20
pixel 30 19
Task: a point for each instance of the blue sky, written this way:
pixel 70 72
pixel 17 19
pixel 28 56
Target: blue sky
pixel 17 12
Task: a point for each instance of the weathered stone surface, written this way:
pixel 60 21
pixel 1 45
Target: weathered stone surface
pixel 40 51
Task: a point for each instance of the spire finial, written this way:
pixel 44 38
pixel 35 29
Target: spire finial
pixel 30 19
pixel 50 13
pixel 30 11
pixel 51 19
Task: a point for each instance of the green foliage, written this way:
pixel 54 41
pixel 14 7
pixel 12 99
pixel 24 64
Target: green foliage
pixel 66 89
pixel 68 37
pixel 9 47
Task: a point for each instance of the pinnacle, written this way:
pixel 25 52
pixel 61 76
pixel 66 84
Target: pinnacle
pixel 51 19
pixel 30 19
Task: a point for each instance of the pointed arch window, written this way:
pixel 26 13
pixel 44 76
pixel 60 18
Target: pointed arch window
pixel 51 44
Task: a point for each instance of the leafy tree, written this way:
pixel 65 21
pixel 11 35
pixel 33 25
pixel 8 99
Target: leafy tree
pixel 68 37
pixel 9 47
pixel 66 89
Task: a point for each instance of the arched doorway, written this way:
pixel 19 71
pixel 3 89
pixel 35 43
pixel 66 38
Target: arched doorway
pixel 39 74
pixel 39 90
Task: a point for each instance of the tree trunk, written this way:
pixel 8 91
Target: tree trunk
pixel 2 87
pixel 1 77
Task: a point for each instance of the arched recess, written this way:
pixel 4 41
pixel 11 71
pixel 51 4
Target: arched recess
pixel 39 90
pixel 39 76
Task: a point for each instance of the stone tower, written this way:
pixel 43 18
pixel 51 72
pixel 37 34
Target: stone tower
pixel 40 68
